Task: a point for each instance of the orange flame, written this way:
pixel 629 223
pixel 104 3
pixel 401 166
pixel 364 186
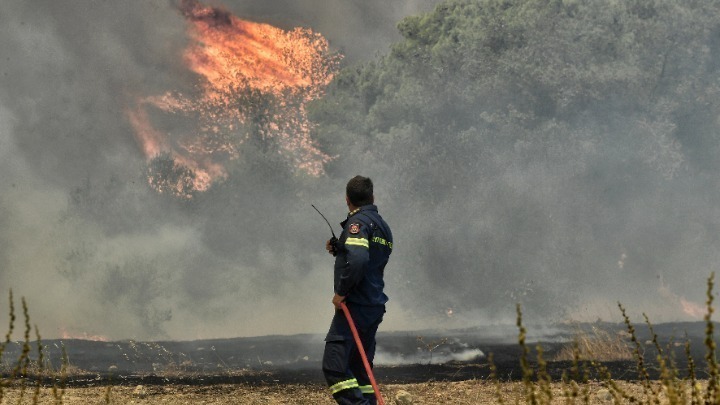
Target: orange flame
pixel 689 308
pixel 695 310
pixel 65 334
pixel 255 81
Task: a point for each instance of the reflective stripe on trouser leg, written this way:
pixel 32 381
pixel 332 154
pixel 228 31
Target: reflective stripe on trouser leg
pixel 357 367
pixel 344 385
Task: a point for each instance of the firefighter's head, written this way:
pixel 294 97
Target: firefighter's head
pixel 359 191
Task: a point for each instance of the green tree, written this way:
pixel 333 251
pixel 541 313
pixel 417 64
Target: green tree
pixel 538 115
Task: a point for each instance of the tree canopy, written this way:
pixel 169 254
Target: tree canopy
pixel 536 138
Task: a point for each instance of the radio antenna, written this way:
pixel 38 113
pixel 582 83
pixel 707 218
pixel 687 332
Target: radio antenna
pixel 323 216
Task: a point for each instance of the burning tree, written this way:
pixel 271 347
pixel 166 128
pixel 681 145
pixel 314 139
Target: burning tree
pixel 167 176
pixel 254 81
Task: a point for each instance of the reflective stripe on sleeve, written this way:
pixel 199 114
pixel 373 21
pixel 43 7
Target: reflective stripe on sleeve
pixel 344 385
pixel 367 389
pixel 358 242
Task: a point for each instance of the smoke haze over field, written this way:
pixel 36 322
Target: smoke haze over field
pixel 97 252
pixel 92 248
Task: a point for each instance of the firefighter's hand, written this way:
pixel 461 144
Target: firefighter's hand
pixel 337 299
pixel 330 247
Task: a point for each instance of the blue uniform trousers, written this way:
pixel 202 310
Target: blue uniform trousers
pixel 342 364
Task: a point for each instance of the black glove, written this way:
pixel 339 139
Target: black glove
pixel 334 246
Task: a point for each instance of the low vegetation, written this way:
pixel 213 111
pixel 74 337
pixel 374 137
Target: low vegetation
pixel 31 378
pixel 588 352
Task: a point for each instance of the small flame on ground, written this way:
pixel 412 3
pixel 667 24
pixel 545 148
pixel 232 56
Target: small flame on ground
pixel 694 310
pixel 254 82
pixel 67 335
pixel 689 308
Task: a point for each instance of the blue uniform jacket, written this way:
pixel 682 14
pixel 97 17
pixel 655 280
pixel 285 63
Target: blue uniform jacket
pixel 364 248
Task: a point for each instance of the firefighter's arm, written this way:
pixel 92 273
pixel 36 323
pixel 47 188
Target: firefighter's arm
pixel 357 246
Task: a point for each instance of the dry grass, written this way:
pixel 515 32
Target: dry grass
pixel 588 350
pixel 471 392
pixel 598 344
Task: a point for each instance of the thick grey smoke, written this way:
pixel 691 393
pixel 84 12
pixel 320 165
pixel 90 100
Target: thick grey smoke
pixel 93 249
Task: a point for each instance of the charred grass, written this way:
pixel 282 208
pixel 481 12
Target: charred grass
pixel 584 371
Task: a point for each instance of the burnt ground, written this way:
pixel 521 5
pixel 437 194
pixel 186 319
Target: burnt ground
pixel 403 357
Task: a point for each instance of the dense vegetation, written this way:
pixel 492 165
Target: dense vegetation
pixel 533 139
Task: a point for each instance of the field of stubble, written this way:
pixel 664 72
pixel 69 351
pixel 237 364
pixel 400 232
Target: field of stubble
pixel 463 392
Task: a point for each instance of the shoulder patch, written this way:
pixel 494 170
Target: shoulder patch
pixel 354 229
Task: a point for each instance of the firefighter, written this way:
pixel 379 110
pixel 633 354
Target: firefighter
pixel 361 253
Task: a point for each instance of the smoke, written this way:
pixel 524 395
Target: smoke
pixel 391 359
pixel 568 236
pixel 96 251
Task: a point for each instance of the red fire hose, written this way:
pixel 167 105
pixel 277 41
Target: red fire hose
pixel 361 349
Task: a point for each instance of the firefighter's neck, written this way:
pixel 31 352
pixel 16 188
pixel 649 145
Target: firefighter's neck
pixel 351 207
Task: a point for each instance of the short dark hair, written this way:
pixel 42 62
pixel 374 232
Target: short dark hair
pixel 359 191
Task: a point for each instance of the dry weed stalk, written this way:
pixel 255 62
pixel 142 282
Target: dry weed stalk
pixel 36 394
pixel 494 377
pixel 643 374
pixel 668 372
pixel 431 346
pixel 694 386
pixel 21 368
pixel 11 327
pixel 24 367
pixel 527 371
pixel 711 394
pixel 601 346
pixel 544 379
